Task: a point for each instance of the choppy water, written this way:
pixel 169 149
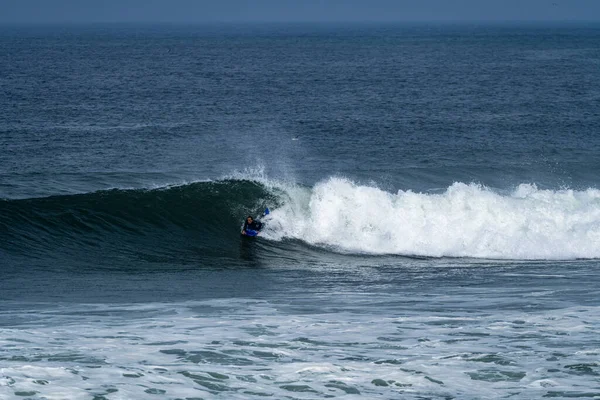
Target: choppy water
pixel 435 224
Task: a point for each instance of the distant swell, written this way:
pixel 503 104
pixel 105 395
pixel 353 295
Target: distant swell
pixel 202 220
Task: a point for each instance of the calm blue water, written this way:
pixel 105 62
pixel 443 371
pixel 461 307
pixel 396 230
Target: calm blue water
pixel 435 211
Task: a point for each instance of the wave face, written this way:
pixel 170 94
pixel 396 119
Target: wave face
pixel 167 224
pixel 203 219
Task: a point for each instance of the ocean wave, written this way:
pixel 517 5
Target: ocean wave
pixel 465 220
pixel 166 220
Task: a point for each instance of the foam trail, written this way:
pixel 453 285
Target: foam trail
pixel 467 220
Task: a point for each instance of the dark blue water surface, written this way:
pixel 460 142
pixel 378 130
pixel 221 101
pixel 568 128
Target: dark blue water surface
pixel 435 224
pixel 91 107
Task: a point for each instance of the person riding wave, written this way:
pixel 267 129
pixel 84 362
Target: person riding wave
pixel 252 225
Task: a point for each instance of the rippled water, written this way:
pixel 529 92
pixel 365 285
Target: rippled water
pixel 245 348
pixel 410 330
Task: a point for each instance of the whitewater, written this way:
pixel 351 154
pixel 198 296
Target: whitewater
pixel 466 220
pixel 250 348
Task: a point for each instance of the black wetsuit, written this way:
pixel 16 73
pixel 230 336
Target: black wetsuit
pixel 254 225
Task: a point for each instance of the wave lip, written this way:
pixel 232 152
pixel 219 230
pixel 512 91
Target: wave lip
pixel 467 220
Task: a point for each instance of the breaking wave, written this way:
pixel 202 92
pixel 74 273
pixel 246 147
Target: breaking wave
pixel 465 220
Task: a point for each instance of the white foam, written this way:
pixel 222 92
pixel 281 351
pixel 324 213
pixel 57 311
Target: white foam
pixel 244 349
pixel 467 220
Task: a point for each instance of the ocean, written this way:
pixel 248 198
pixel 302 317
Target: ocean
pixel 435 211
